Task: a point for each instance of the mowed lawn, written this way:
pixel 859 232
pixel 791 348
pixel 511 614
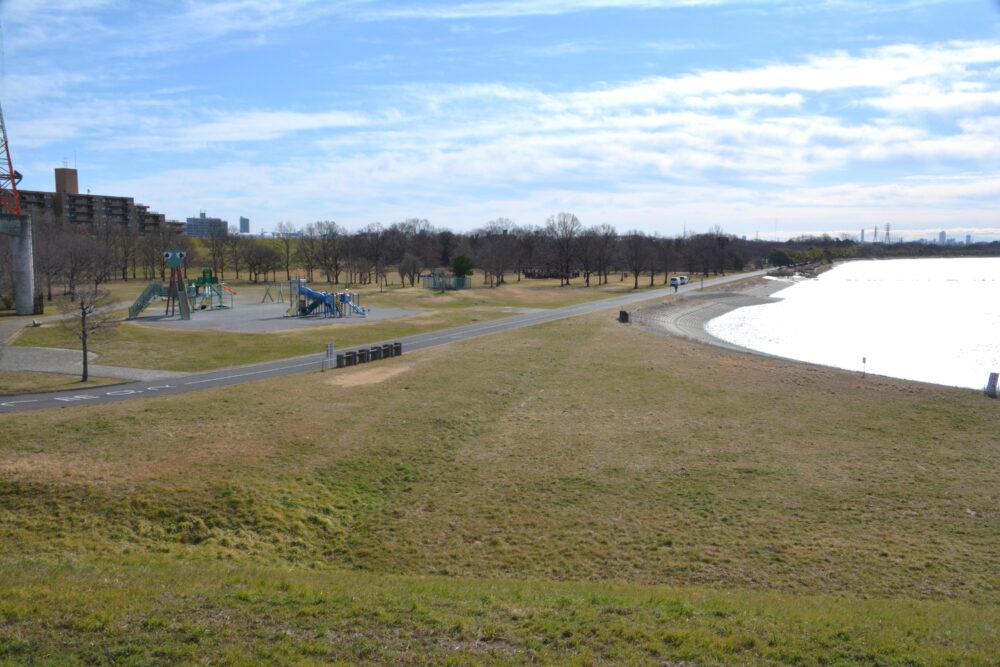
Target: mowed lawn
pixel 578 492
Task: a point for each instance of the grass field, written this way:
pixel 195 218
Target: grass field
pixel 16 382
pixel 576 492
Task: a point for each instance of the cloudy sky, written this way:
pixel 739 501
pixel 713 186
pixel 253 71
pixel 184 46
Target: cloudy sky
pixel 769 117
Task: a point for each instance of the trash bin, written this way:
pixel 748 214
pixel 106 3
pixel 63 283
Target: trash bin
pixel 397 349
pixel 340 360
pixel 350 358
pixel 362 356
pixel 387 350
pixel 623 316
pixel 376 353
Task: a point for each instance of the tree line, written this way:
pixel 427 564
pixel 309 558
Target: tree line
pixel 562 248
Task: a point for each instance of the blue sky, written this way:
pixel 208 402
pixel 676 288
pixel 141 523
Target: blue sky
pixel 769 117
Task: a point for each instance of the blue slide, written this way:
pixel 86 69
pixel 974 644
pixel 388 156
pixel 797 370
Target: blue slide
pixel 318 298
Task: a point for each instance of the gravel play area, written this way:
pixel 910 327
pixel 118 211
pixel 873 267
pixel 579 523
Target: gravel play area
pixel 248 315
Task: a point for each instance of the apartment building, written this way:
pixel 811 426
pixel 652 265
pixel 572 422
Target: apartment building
pixel 67 206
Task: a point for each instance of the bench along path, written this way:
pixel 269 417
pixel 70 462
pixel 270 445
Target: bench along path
pixel 229 376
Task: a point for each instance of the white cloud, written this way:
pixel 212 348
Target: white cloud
pixel 797 141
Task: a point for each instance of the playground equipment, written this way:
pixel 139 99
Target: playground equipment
pixel 174 293
pixel 306 302
pixel 274 293
pixel 207 293
pixel 176 296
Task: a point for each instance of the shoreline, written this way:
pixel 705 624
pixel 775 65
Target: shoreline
pixel 686 316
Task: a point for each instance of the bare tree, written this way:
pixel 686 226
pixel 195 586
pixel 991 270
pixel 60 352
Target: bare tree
pixel 47 240
pixel 236 246
pixel 330 250
pixel 666 257
pixel 87 314
pixel 307 252
pixel 563 230
pixel 83 260
pixel 588 247
pixel 374 250
pixel 636 254
pixel 410 267
pixel 496 251
pixel 261 258
pixel 605 246
pixel 286 233
pixel 218 247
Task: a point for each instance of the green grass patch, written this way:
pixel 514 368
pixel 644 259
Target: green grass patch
pixel 148 346
pixel 158 610
pixel 574 491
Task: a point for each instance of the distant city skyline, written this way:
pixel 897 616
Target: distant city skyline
pixel 769 118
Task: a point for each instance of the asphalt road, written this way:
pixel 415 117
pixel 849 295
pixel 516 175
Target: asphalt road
pixel 229 376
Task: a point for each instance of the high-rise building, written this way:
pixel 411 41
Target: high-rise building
pixel 968 239
pixel 205 226
pixel 244 225
pixel 66 206
pixel 862 234
pixel 942 238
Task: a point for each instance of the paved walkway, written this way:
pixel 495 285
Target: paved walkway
pixel 70 362
pixel 58 360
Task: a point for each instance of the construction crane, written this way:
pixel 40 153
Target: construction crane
pixel 10 201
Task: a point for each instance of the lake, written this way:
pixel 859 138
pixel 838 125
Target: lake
pixel 932 320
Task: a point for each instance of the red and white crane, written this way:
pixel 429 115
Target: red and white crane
pixel 10 201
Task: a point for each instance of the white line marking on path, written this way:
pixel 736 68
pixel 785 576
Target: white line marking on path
pixel 242 375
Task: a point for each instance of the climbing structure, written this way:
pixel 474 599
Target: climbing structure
pixel 176 295
pixel 207 293
pixel 306 302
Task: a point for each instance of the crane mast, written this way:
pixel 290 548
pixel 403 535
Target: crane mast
pixel 10 201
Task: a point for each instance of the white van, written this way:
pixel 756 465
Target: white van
pixel 675 282
pixel 684 280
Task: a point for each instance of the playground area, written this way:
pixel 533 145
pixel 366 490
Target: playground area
pixel 248 315
pixel 206 303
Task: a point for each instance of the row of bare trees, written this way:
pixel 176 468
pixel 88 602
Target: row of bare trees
pixel 324 251
pixel 562 248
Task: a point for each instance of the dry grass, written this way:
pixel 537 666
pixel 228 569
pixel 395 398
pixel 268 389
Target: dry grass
pixel 20 382
pixel 587 450
pixel 577 451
